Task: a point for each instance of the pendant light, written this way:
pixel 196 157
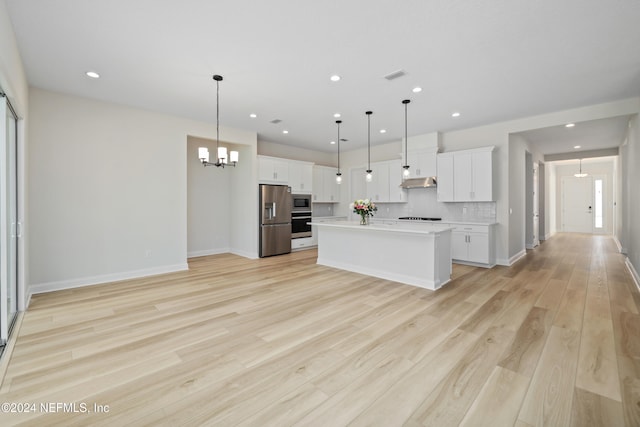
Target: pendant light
pixel 406 172
pixel 338 175
pixel 369 176
pixel 221 158
pixel 580 174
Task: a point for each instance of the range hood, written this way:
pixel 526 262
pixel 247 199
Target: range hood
pixel 429 181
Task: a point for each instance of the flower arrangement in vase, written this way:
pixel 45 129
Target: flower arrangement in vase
pixel 365 208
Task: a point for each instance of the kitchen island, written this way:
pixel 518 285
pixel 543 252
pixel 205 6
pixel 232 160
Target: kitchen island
pixel 415 254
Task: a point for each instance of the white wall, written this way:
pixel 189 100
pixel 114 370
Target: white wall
pixel 208 203
pixel 266 148
pixel 517 196
pixel 630 229
pixel 108 190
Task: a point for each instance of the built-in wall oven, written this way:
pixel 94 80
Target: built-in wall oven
pixel 300 216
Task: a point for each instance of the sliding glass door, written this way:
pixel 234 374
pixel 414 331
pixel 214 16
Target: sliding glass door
pixel 10 228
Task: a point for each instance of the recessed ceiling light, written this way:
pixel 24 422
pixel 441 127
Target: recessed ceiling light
pixel 383 131
pixel 577 146
pixel 253 116
pixel 569 125
pixel 332 143
pixel 335 78
pixel 92 74
pixel 417 89
pixel 336 115
pixel 456 114
pixel 285 131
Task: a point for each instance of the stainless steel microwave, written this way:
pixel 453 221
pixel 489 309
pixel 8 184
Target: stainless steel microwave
pixel 301 202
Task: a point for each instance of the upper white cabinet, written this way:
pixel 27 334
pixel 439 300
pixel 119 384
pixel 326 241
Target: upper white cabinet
pixel 272 170
pixel 300 177
pixel 325 188
pixel 422 164
pixel 396 193
pixel 466 176
pixel 384 186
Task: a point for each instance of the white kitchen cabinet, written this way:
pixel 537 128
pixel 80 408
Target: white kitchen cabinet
pixel 358 184
pixel 303 243
pixel 466 176
pixel 378 188
pixel 423 164
pixel 385 185
pixel 325 188
pixel 272 170
pixel 300 177
pixel 445 178
pixel 472 243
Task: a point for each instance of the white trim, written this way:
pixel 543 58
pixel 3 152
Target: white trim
pixel 634 273
pixel 207 252
pixel 513 259
pixel 424 283
pixel 250 255
pixel 8 349
pixel 618 244
pixel 96 280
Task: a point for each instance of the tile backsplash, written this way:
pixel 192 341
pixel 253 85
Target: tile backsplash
pixel 423 202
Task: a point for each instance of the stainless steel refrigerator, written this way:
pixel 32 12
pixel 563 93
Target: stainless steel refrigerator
pixel 275 220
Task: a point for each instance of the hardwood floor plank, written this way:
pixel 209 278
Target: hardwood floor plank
pixel 399 401
pixel 627 338
pixel 450 400
pixel 547 401
pixel 282 340
pixel 524 352
pixel 498 402
pixel 595 410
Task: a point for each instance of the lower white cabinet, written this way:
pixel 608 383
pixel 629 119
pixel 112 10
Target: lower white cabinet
pixel 472 243
pixel 302 243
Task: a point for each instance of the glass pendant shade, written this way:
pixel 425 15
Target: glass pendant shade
pixel 222 154
pixel 580 174
pixel 234 156
pixel 203 154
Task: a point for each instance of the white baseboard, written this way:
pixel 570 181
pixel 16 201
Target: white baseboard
pixel 206 252
pixel 634 273
pixel 618 244
pixel 512 260
pixel 40 288
pixel 246 254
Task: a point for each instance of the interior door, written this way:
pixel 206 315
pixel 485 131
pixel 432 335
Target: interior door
pixel 577 204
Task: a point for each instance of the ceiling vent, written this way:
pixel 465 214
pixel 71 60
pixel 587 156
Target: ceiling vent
pixel 395 75
pixel 275 121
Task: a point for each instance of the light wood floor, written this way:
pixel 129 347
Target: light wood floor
pixel 553 340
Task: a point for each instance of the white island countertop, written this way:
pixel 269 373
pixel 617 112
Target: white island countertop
pixel 412 227
pixel 415 254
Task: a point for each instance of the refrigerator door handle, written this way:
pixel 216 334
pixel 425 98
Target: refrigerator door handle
pixel 274 209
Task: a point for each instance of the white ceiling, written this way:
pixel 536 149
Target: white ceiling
pixel 490 60
pixel 586 136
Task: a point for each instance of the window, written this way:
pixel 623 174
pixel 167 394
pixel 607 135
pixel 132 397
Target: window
pixel 598 203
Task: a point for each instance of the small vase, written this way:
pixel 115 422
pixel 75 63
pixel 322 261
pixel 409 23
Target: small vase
pixel 364 219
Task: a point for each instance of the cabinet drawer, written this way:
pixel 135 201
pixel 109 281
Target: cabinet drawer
pixel 467 228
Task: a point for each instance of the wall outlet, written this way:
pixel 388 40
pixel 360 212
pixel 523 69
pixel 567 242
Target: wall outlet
pixel 147 253
pixel 464 210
